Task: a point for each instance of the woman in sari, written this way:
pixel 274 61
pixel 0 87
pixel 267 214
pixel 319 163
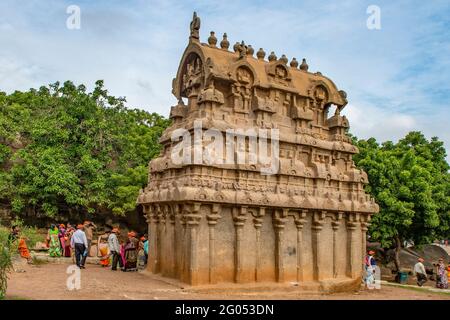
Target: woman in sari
pixel 122 254
pixel 441 270
pixel 23 250
pixel 67 236
pixel 55 246
pixel 131 252
pixel 61 236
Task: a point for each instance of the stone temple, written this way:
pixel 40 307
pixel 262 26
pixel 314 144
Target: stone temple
pixel 229 221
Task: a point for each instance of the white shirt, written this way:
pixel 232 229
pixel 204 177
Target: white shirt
pixel 78 237
pixel 113 243
pixel 419 268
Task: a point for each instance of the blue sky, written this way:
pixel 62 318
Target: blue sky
pixel 397 78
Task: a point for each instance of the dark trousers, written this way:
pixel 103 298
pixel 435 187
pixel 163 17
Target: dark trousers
pixel 116 258
pixel 80 248
pixel 421 279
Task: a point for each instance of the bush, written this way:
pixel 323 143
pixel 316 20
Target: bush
pixel 6 252
pixel 31 234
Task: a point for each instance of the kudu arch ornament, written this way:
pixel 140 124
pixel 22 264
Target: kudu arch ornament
pixel 213 222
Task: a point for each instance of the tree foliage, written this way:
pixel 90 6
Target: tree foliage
pixel 63 148
pixel 411 183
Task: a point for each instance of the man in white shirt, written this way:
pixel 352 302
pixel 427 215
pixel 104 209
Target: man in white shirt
pixel 80 244
pixel 421 274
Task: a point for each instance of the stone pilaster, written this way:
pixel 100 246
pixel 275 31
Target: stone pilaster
pixel 364 220
pixel 161 238
pixel 239 217
pixel 151 220
pixel 353 265
pixel 193 221
pixel 153 238
pixel 279 220
pixel 257 223
pixel 317 225
pixel 184 246
pixel 173 218
pixel 299 223
pixel 335 225
pixel 212 221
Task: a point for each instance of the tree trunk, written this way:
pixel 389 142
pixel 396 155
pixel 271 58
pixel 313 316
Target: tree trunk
pixel 398 247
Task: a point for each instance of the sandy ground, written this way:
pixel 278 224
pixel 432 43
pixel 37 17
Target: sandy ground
pixel 48 281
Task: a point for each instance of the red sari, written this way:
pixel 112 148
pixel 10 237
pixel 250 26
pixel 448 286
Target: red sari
pixel 67 236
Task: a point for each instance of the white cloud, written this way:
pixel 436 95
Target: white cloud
pixel 369 121
pixel 395 77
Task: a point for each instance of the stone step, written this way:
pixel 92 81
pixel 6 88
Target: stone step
pixel 45 258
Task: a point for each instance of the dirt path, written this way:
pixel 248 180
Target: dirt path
pixel 48 281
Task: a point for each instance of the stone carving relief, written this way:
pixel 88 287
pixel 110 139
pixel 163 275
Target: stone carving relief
pixel 193 77
pixel 241 90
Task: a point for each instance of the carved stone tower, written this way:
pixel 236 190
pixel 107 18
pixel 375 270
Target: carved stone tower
pixel 229 222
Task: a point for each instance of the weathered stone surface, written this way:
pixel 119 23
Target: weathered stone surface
pixel 228 222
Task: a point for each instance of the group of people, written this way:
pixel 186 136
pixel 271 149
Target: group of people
pixel 59 238
pixel 129 254
pixel 442 271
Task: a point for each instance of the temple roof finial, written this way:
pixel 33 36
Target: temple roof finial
pixel 294 63
pixel 261 54
pixel 212 40
pixel 304 66
pixel 195 27
pixel 225 44
pixel 272 56
pixel 284 59
pixel 242 49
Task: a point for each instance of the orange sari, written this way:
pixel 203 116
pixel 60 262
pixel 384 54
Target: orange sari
pixel 104 260
pixel 23 249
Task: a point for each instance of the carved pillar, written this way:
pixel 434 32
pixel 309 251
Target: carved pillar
pixel 193 221
pixel 151 220
pixel 279 220
pixel 317 224
pixel 257 223
pixel 183 265
pixel 364 218
pixel 161 240
pixel 352 242
pixel 153 245
pixel 173 217
pixel 299 222
pixel 212 221
pixel 239 217
pixel 157 261
pixel 335 225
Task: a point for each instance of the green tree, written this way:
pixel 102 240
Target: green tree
pixel 411 183
pixel 63 149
